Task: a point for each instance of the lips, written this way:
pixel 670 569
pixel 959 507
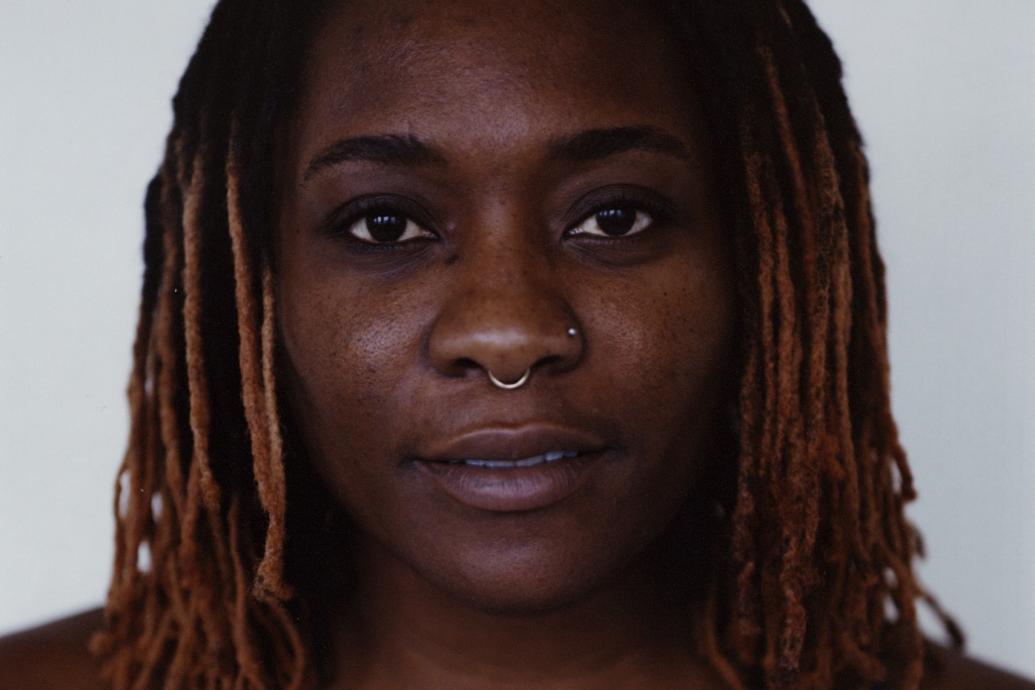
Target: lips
pixel 512 443
pixel 512 469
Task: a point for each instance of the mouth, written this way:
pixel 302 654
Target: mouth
pixel 512 486
pixel 507 470
pixel 549 456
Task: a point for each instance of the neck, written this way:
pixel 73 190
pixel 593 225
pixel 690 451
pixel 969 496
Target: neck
pixel 406 632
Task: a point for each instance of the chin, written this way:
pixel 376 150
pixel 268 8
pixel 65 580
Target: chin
pixel 530 578
pixel 505 594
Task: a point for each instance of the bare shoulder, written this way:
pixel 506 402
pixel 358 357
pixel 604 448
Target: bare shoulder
pixel 950 670
pixel 52 656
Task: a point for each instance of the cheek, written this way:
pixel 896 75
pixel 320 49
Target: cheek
pixel 345 369
pixel 675 356
pixel 673 347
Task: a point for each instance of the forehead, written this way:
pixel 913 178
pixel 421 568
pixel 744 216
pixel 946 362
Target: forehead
pixel 515 68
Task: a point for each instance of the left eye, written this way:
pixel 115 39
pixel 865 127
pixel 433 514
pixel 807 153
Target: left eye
pixel 384 227
pixel 614 221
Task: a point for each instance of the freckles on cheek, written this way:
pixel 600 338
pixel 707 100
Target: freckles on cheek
pixel 345 355
pixel 675 338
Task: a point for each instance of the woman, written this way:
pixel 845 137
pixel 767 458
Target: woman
pixel 486 346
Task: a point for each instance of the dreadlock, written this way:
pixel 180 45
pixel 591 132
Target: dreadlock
pixel 810 584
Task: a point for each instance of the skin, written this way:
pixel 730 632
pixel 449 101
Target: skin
pixel 55 657
pixel 385 353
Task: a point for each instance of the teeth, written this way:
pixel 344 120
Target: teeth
pixel 529 462
pixel 551 456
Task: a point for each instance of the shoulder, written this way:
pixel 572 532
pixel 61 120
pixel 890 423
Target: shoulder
pixel 52 656
pixel 950 669
pixel 56 656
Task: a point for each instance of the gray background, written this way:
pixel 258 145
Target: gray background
pixel 944 91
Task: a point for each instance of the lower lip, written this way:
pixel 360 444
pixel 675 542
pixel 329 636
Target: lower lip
pixel 511 489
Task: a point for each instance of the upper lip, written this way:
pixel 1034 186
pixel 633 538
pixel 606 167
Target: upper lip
pixel 511 442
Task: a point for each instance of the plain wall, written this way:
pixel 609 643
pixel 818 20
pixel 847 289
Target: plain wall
pixel 945 95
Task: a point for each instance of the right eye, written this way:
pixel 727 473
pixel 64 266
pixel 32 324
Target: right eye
pixel 385 226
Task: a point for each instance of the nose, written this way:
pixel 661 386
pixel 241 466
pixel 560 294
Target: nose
pixel 505 316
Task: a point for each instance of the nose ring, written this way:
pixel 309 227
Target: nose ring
pixel 572 332
pixel 510 386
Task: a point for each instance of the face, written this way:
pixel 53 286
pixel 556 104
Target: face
pixel 462 184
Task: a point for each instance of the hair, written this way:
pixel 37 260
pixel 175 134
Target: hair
pixel 810 583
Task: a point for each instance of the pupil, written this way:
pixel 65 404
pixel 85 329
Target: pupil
pixel 386 227
pixel 616 221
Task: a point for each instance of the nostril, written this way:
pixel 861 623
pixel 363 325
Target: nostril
pixel 547 363
pixel 465 364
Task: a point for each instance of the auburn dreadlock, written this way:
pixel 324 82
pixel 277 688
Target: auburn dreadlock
pixel 811 583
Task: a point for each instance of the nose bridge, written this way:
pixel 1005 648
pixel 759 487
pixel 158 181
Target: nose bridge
pixel 505 265
pixel 505 310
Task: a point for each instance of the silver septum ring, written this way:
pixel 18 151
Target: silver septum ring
pixel 510 386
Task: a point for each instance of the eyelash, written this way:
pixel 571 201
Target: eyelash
pixel 365 207
pixel 658 211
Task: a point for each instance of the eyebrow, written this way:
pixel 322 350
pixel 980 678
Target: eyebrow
pixel 582 147
pixel 597 144
pixel 390 149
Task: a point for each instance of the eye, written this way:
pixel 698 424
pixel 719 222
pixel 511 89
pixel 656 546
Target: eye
pixel 616 220
pixel 385 226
